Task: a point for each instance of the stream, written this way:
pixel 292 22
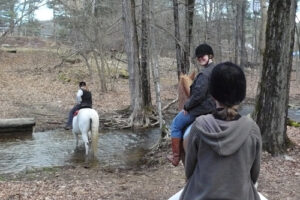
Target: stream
pixel 116 148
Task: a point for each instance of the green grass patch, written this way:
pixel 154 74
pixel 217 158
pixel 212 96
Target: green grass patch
pixel 293 123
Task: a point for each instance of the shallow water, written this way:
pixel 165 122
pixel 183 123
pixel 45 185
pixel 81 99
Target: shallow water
pixel 116 149
pixel 293 114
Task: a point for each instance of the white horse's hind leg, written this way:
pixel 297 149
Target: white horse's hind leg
pixel 86 142
pixel 77 140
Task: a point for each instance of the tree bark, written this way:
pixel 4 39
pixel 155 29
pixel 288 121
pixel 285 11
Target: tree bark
pixel 131 46
pixel 189 15
pixel 262 33
pixel 146 93
pixel 138 117
pixel 244 55
pixel 180 65
pixel 155 68
pixel 272 102
pixel 237 31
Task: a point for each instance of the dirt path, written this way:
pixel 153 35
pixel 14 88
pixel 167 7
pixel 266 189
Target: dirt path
pixel 32 87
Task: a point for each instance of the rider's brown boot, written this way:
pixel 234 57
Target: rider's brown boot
pixel 176 149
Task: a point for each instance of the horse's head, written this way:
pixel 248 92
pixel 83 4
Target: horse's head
pixel 185 81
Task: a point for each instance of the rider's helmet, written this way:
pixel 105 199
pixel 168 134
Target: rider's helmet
pixel 228 84
pixel 82 83
pixel 204 49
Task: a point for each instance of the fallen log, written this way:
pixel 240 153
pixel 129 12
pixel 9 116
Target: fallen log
pixel 17 125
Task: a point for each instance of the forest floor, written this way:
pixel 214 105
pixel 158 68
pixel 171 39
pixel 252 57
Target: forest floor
pixel 34 85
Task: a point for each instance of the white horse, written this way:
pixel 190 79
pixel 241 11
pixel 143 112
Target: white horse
pixel 86 122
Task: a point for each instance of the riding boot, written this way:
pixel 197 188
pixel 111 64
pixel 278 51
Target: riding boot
pixel 182 155
pixel 176 149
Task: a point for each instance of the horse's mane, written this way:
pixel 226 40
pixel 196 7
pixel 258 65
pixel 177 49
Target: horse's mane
pixel 185 81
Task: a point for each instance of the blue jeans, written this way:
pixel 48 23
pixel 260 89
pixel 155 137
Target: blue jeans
pixel 71 113
pixel 180 123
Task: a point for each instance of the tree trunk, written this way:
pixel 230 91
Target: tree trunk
pixel 244 55
pixel 298 57
pixel 206 20
pixel 101 73
pixel 262 33
pixel 131 46
pixel 138 116
pixel 218 50
pixel 12 15
pixel 155 68
pixel 180 66
pixel 146 93
pixel 189 15
pixel 272 102
pixel 237 31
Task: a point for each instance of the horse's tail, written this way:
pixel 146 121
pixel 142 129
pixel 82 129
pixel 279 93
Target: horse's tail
pixel 94 121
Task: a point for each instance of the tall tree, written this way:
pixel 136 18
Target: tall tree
pixel 240 49
pixel 272 102
pixel 189 19
pixel 145 38
pixel 139 116
pixel 262 33
pixel 180 66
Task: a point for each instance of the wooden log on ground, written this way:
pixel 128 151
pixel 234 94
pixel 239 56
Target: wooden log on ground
pixel 17 125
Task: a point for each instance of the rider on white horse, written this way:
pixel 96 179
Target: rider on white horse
pixel 83 99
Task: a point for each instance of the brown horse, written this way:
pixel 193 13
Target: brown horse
pixel 185 81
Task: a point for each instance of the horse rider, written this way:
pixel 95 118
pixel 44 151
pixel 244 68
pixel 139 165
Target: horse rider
pixel 199 102
pixel 224 148
pixel 83 100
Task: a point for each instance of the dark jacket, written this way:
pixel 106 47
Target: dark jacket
pixel 222 159
pixel 200 101
pixel 86 99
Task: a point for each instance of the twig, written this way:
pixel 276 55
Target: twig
pixel 171 103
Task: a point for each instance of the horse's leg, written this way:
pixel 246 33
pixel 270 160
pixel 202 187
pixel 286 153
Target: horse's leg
pixel 86 142
pixel 77 140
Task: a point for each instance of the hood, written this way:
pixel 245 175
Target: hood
pixel 224 137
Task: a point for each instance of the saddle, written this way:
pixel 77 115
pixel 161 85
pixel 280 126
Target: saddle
pixel 75 113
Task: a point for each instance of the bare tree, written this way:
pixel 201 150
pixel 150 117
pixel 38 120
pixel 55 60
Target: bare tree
pixel 263 26
pixel 180 66
pixel 240 49
pixel 189 19
pixel 272 102
pixel 25 11
pixel 145 67
pixel 139 116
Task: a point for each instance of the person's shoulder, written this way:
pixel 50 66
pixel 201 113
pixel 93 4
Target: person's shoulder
pixel 202 120
pixel 255 130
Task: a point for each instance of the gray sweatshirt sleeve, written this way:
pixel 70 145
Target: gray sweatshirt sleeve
pixel 191 153
pixel 256 164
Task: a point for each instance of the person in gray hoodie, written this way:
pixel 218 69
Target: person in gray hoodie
pixel 224 149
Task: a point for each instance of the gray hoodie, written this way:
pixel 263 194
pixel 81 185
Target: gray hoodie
pixel 222 159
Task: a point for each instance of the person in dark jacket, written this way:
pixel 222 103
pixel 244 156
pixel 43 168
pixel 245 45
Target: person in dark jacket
pixel 83 100
pixel 224 148
pixel 200 102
